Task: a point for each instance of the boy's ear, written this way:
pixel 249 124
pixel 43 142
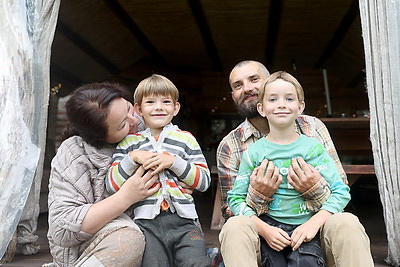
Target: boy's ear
pixel 302 107
pixel 137 109
pixel 260 109
pixel 177 108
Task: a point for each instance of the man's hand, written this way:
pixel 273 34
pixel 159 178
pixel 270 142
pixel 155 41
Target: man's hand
pixel 159 162
pixel 302 176
pixel 266 179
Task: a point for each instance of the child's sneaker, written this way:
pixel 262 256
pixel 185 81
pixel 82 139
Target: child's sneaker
pixel 216 257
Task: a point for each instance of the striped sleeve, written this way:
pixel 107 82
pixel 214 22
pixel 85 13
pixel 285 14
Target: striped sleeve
pixel 122 167
pixel 190 165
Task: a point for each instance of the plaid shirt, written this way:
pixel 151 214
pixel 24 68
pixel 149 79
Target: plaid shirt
pixel 232 146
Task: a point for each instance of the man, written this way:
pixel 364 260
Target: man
pixel 343 238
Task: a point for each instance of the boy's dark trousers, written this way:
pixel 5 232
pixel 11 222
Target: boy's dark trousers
pixel 173 241
pixel 308 254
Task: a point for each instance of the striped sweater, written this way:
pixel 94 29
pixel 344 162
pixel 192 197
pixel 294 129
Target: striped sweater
pixel 189 166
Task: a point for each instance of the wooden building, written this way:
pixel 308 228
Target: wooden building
pixel 196 43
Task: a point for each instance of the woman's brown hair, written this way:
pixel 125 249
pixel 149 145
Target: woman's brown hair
pixel 87 110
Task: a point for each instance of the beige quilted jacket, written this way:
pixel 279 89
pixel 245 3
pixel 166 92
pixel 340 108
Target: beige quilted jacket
pixel 76 182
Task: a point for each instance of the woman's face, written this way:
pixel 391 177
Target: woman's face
pixel 120 120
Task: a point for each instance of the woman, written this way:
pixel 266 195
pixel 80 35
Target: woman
pixel 86 227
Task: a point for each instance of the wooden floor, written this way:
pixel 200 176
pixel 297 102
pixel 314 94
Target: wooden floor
pixel 365 204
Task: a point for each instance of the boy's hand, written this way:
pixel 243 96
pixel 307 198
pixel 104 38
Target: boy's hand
pixel 276 238
pixel 159 162
pixel 140 156
pixel 304 233
pixel 307 231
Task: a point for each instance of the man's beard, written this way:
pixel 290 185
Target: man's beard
pixel 247 111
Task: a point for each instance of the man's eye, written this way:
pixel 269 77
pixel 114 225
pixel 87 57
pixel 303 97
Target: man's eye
pixel 254 80
pixel 237 86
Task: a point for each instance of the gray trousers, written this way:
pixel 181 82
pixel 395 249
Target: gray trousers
pixel 173 241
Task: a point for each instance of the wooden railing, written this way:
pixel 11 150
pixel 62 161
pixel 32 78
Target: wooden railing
pixel 351 138
pixel 359 169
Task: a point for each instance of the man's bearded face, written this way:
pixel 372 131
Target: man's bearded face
pixel 247 108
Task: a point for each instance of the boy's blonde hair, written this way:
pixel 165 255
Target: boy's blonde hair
pixel 155 85
pixel 283 75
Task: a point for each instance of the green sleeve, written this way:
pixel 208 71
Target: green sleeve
pixel 237 196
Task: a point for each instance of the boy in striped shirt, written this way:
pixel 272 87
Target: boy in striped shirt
pixel 168 218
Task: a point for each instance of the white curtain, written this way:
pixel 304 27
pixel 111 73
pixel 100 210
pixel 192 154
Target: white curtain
pixel 380 21
pixel 26 33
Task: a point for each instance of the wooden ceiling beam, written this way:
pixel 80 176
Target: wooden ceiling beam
pixel 339 34
pixel 205 31
pixel 86 47
pixel 65 75
pixel 68 80
pixel 126 19
pixel 274 19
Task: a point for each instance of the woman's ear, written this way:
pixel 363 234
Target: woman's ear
pixel 260 109
pixel 177 108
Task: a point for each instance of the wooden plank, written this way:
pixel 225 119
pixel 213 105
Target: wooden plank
pixel 217 220
pixel 359 169
pixel 343 123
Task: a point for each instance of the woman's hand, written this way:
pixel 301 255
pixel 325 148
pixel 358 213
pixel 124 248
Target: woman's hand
pixel 186 187
pixel 137 187
pixel 140 185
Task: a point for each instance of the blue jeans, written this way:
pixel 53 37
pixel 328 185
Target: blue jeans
pixel 308 254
